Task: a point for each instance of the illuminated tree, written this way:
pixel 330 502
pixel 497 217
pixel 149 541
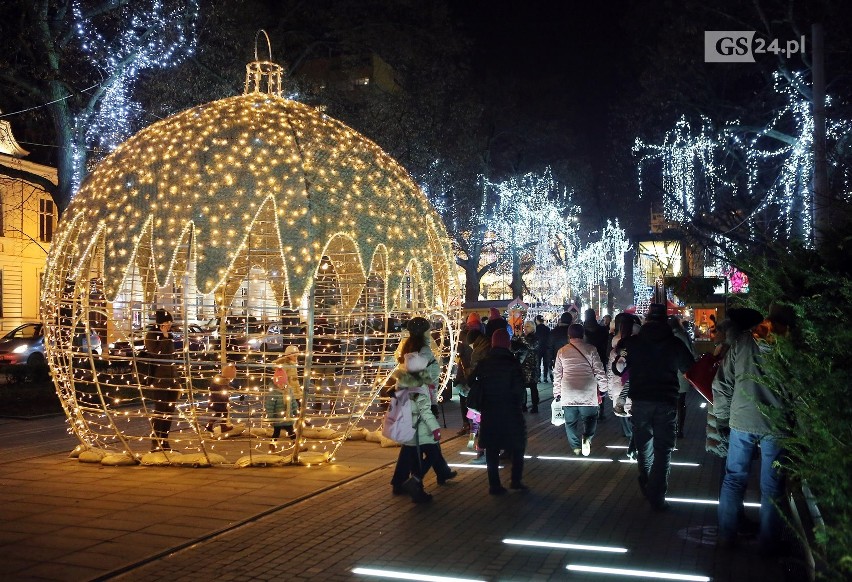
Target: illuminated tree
pixel 80 59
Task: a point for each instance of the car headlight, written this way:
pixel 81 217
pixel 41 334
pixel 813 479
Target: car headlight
pixel 253 341
pixel 21 349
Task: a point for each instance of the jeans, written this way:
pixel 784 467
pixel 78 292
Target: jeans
pixel 740 451
pixel 545 365
pixel 654 429
pixel 574 415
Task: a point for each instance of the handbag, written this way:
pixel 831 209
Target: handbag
pixel 557 415
pixel 702 372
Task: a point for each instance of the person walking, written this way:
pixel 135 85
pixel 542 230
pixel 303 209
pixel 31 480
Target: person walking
pixel 598 336
pixel 684 386
pixel 558 337
pixel 499 381
pixel 525 348
pixel 578 382
pixel 655 359
pixel 543 361
pixel 626 325
pixel 740 399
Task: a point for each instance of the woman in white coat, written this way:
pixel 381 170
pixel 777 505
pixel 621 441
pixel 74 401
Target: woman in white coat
pixel 579 382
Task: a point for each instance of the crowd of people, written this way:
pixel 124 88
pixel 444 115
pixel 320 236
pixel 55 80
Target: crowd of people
pixel 641 367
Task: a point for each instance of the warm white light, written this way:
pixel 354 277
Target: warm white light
pixel 564 546
pixel 396 575
pixel 637 573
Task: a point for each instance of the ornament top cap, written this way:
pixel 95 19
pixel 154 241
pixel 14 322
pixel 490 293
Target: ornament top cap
pixel 263 76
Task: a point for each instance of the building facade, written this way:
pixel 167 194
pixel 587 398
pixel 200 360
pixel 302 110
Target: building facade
pixel 28 217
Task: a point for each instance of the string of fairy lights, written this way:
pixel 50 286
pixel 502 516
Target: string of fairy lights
pixel 778 176
pixel 156 34
pixel 294 232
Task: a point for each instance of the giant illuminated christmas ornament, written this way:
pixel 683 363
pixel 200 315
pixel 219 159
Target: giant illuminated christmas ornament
pixel 302 244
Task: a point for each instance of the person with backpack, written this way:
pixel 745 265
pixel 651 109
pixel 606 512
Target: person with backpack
pixel 410 420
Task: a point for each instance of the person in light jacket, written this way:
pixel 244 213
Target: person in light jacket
pixel 578 382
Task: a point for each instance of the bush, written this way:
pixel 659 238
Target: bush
pixel 813 371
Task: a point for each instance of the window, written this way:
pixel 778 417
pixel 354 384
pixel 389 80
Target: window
pixel 45 220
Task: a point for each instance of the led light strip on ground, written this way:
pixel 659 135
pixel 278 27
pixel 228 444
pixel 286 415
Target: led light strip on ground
pixel 469 466
pixel 704 501
pixel 634 461
pixel 471 453
pixel 636 573
pixel 564 546
pixel 589 459
pixel 396 575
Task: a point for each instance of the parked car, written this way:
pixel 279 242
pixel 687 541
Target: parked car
pixel 22 351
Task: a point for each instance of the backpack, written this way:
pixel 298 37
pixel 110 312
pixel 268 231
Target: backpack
pixel 397 424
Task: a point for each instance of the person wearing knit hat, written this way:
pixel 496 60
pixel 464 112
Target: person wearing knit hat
pixel 493 313
pixel 741 398
pixel 578 381
pixel 499 382
pixel 162 378
pixel 473 322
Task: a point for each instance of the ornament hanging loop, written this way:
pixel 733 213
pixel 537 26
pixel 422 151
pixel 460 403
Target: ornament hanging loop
pixel 264 76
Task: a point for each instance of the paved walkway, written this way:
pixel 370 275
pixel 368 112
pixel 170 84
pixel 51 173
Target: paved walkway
pixel 65 520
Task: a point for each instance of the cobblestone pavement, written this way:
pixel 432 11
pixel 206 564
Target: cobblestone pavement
pixel 79 522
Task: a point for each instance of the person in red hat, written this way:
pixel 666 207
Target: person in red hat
pixel 499 381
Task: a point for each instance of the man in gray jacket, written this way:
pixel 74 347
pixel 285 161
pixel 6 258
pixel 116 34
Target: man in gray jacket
pixel 739 402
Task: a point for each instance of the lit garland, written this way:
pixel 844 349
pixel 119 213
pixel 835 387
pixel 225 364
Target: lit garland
pixel 689 170
pixel 248 207
pixel 692 174
pixel 151 35
pixel 602 260
pixel 536 221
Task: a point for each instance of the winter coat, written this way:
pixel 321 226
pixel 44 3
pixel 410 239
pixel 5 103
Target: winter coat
pixel 737 391
pixel 656 359
pixel 464 354
pixel 542 336
pixel 525 349
pixel 161 374
pixel 428 377
pixel 597 336
pixel 481 346
pixel 421 407
pixel 501 382
pixel 557 340
pixel 578 374
pixel 681 334
pixel 280 408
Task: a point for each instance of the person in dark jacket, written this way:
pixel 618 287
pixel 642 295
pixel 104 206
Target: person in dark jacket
pixel 525 348
pixel 655 360
pixel 500 380
pixel 597 336
pixel 558 338
pixel 543 361
pixel 160 346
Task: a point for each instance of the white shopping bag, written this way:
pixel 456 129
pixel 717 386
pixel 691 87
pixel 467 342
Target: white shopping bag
pixel 557 415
